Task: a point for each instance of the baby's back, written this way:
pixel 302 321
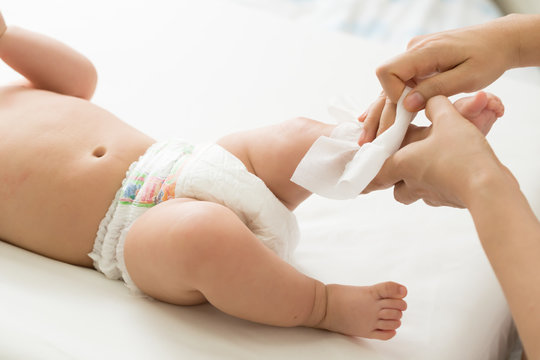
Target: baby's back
pixel 61 161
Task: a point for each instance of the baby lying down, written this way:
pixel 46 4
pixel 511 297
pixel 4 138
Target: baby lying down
pixel 182 223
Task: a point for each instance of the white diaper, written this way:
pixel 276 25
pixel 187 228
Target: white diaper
pixel 175 169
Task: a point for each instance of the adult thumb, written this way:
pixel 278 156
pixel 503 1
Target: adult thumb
pixel 439 108
pixel 446 83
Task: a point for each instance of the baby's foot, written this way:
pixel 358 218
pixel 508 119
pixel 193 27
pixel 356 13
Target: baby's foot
pixel 366 311
pixel 482 109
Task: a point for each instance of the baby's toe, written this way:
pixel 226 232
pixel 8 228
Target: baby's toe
pixel 383 334
pixel 388 324
pixel 390 290
pixel 396 304
pixel 495 104
pixel 390 314
pixel 471 106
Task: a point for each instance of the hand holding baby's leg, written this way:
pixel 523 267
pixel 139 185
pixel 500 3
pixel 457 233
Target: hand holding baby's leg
pixel 273 152
pixel 186 252
pixel 481 109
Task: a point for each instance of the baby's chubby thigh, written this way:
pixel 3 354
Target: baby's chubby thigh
pixel 168 249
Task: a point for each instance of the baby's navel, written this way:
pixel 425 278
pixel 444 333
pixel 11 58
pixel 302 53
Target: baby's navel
pixel 99 151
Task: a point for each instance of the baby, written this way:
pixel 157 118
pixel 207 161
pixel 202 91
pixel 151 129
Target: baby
pixel 183 224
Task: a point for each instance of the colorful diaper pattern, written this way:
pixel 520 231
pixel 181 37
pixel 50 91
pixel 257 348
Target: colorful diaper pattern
pixel 153 178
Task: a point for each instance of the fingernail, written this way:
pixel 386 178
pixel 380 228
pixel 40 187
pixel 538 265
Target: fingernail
pixel 362 117
pixel 414 101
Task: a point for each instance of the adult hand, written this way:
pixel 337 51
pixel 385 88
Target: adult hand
pixel 451 62
pixel 441 164
pixel 379 116
pixel 454 165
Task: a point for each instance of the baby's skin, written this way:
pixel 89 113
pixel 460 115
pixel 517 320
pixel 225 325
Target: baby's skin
pixel 63 159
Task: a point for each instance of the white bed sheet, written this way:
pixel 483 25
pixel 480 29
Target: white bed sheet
pixel 202 69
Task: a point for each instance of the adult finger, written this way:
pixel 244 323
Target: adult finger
pixel 392 172
pixel 404 194
pixel 388 116
pixel 416 133
pixel 2 25
pixel 447 83
pixel 394 74
pixel 371 121
pixel 439 108
pixel 417 39
pixel 416 64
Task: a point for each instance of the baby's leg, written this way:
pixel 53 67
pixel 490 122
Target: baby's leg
pixel 273 153
pixel 186 251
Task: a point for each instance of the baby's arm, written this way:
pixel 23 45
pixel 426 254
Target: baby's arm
pixel 46 63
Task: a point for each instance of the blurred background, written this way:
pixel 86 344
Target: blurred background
pixel 392 21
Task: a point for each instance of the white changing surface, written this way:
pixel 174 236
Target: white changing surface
pixel 201 69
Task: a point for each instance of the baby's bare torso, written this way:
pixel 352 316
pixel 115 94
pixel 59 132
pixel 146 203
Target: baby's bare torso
pixel 62 159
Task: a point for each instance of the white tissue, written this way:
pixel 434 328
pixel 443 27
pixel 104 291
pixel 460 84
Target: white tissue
pixel 337 167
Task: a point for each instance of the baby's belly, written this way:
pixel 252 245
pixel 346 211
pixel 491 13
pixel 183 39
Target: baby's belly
pixel 56 213
pixel 59 173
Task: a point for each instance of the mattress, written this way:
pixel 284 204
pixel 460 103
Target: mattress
pixel 202 69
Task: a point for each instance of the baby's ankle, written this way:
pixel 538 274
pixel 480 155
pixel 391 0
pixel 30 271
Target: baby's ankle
pixel 318 315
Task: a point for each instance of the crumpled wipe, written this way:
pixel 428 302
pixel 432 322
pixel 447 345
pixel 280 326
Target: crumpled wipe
pixel 336 167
